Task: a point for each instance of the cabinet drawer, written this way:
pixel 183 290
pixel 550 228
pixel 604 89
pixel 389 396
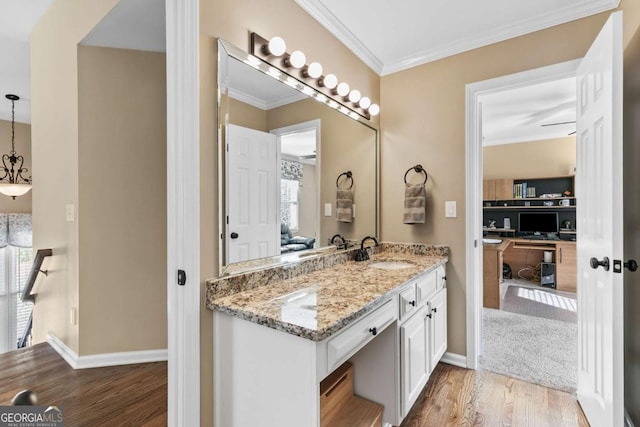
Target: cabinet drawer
pixel 426 286
pixel 408 302
pixel 360 333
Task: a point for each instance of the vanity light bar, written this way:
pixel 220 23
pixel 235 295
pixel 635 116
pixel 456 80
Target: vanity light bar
pixel 336 95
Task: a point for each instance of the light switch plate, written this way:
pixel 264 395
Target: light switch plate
pixel 450 209
pixel 327 209
pixel 71 213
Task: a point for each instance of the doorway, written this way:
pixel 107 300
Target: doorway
pixel 475 94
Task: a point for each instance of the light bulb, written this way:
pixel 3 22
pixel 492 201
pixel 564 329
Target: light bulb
pixel 343 89
pixel 364 102
pixel 297 59
pixel 374 109
pixel 314 70
pixel 354 96
pixel 277 46
pixel 330 81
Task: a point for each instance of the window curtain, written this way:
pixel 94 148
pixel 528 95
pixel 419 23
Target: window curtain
pixel 15 230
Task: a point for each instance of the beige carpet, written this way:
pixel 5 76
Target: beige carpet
pixel 537 350
pixel 541 302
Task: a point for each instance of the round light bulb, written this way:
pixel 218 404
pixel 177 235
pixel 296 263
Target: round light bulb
pixel 343 89
pixel 354 96
pixel 297 59
pixel 277 46
pixel 314 70
pixel 374 109
pixel 330 81
pixel 364 102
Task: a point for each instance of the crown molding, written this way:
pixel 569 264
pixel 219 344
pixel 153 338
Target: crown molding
pixel 241 96
pixel 323 15
pixel 559 16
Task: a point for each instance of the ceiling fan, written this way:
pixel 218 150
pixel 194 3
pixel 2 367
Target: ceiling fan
pixel 561 123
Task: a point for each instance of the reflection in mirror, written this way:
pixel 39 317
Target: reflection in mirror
pixel 282 153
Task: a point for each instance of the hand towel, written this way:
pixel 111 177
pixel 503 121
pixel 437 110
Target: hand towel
pixel 415 201
pixel 344 205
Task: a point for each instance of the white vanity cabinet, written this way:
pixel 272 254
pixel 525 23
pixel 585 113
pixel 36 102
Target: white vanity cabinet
pixel 423 335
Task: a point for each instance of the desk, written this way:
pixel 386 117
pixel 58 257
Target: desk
pixel 521 253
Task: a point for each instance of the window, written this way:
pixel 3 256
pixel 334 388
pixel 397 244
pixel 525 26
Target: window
pixel 289 203
pixel 15 264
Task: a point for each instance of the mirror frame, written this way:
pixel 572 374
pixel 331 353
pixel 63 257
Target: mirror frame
pixel 225 50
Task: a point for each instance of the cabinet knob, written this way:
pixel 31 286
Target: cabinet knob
pixel 429 315
pixel 434 309
pixel 444 277
pixel 374 331
pixel 413 303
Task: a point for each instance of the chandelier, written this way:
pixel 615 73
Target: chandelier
pixel 13 183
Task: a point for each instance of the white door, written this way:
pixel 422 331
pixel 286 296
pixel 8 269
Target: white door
pixel 438 325
pixel 599 227
pixel 253 194
pixel 414 336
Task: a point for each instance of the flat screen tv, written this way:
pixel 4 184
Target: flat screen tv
pixel 538 222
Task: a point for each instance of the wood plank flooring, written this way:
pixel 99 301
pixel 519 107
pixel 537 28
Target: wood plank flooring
pixel 463 397
pixel 131 395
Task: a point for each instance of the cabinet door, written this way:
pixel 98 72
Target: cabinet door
pixel 489 189
pixel 414 338
pixel 504 189
pixel 438 327
pixel 566 267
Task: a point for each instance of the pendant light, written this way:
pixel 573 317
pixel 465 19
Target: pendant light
pixel 12 183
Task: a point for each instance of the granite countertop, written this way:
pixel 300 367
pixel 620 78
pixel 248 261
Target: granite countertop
pixel 318 304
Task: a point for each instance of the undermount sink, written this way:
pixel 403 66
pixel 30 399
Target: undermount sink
pixel 391 265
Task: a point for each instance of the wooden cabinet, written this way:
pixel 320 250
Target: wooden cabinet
pixel 566 267
pixel 497 189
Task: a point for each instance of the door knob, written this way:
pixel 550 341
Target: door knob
pixel 604 263
pixel 632 265
pixel 234 235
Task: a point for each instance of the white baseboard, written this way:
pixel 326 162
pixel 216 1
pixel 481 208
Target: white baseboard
pixel 627 420
pixel 104 359
pixel 454 359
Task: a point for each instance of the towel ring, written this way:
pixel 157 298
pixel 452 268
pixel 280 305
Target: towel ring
pixel 417 169
pixel 349 175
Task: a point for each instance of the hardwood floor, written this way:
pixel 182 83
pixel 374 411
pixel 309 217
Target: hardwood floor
pixel 136 395
pixel 462 397
pixel 131 395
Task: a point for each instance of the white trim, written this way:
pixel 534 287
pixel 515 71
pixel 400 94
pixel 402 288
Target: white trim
pixel 474 184
pixel 454 359
pixel 628 422
pixel 514 29
pixel 261 104
pixel 104 359
pixel 183 211
pixel 328 20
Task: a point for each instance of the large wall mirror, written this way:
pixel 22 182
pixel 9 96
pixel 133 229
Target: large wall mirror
pixel 284 155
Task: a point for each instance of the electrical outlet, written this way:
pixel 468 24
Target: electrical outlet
pixel 327 209
pixel 450 209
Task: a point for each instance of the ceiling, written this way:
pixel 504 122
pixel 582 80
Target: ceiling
pixel 390 36
pixel 524 114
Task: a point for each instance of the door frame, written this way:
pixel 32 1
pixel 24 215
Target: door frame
pixel 474 92
pixel 301 127
pixel 183 211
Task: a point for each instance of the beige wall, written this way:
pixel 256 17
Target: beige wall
pixel 345 145
pixel 21 204
pixel 631 151
pixel 122 192
pixel 423 120
pixel 243 114
pixel 232 20
pixel 54 144
pixel 531 159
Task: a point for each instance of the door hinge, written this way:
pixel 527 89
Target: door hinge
pixel 227 219
pixel 182 278
pixel 475 243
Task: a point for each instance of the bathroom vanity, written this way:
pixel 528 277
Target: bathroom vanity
pixel 279 332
